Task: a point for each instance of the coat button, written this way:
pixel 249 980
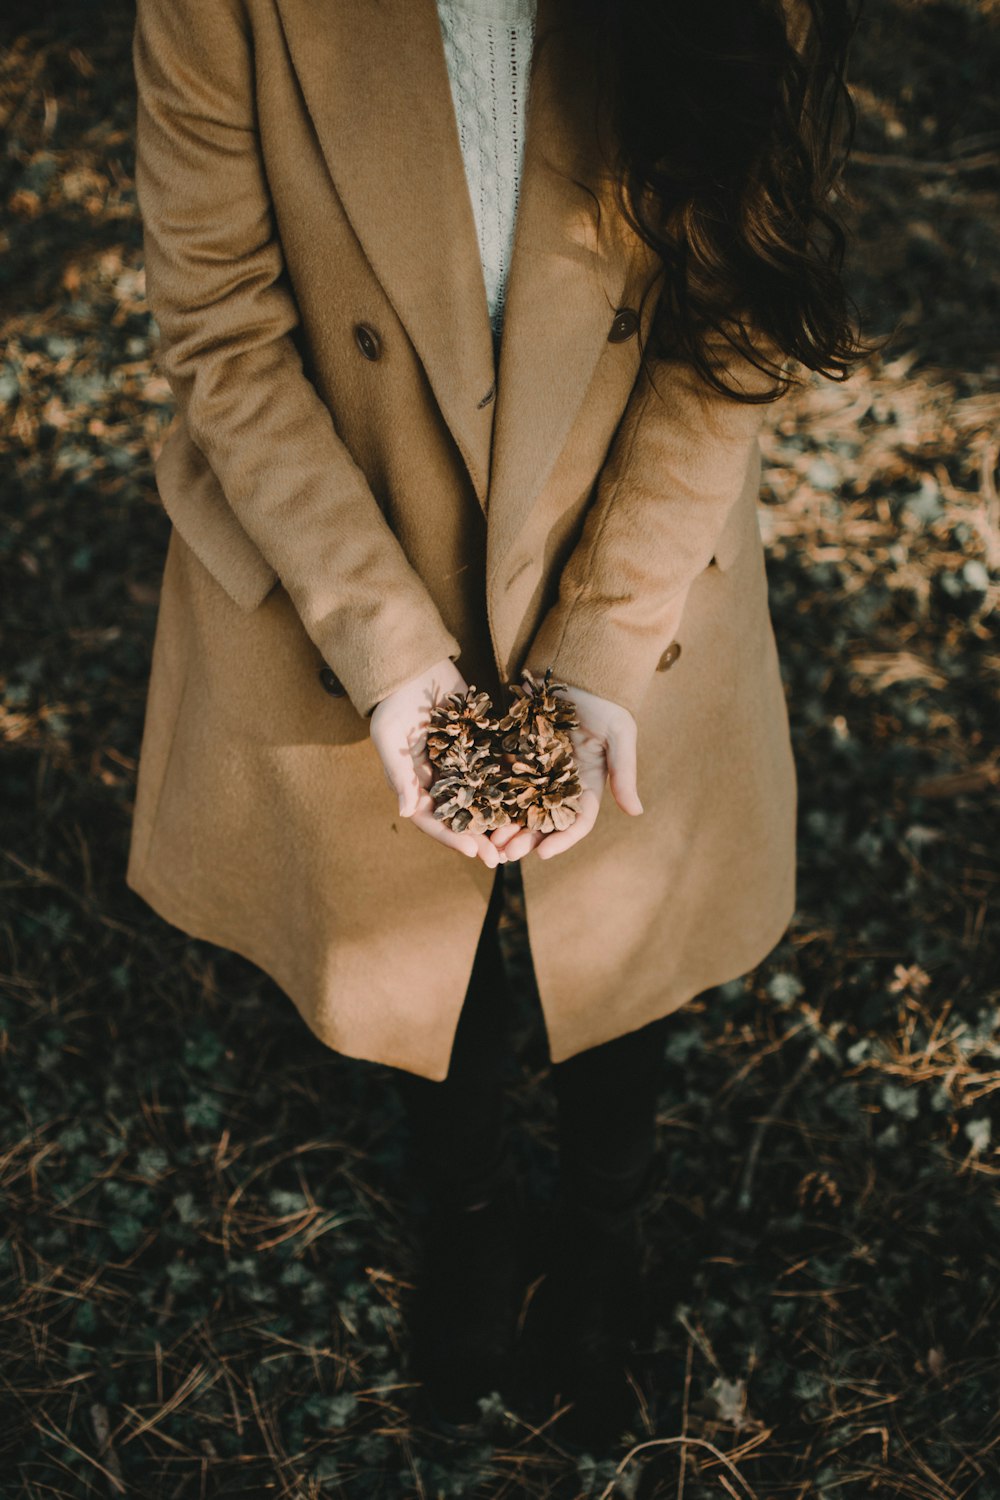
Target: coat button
pixel 332 682
pixel 669 656
pixel 625 323
pixel 368 341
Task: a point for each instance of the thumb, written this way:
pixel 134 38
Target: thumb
pixel 408 791
pixel 622 771
pixel 402 778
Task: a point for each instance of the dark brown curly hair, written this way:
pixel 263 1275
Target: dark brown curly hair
pixel 730 124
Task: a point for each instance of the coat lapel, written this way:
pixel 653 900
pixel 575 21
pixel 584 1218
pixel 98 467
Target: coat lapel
pixel 564 284
pixel 375 81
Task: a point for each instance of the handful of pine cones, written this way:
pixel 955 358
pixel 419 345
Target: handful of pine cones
pixel 517 767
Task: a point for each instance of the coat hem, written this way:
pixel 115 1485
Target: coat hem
pixel 176 914
pixel 689 991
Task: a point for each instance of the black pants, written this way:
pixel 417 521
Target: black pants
pixel 605 1099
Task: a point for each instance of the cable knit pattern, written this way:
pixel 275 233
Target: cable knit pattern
pixel 488 45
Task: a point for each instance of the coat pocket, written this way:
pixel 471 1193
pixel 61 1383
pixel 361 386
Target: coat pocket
pixel 197 506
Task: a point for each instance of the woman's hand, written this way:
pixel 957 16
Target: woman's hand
pixel 605 749
pixel 398 726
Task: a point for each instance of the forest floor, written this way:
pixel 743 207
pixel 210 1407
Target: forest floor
pixel 206 1248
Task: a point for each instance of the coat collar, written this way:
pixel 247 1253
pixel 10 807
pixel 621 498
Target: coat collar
pixel 375 80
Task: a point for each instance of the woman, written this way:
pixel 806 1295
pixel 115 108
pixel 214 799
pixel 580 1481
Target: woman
pixel 470 364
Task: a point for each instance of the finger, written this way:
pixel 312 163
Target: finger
pixel 526 840
pixel 557 843
pixel 422 765
pixel 400 772
pixel 622 771
pixel 417 738
pixel 465 843
pixel 423 768
pixel 403 780
pixel 487 851
pixel 475 845
pixel 501 837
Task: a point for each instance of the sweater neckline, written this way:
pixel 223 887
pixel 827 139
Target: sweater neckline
pixel 500 12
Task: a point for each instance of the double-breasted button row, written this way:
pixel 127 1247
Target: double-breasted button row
pixel 368 341
pixel 669 656
pixel 332 682
pixel 623 325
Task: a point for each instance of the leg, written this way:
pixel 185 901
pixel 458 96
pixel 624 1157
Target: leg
pixel 591 1303
pixel 457 1125
pixel 464 1310
pixel 606 1110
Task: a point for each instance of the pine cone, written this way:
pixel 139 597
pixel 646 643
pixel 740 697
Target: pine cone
pixel 541 787
pixel 518 768
pixel 462 747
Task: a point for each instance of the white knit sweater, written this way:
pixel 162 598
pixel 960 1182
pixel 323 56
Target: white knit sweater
pixel 488 45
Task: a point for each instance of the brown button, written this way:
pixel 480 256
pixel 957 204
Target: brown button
pixel 625 323
pixel 332 682
pixel 368 341
pixel 669 656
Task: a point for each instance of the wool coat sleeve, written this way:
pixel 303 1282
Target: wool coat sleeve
pixel 218 290
pixel 678 463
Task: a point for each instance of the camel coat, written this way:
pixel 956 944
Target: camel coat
pixel 359 487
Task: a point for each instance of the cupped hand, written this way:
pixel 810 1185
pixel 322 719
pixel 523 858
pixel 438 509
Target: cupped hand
pixel 398 726
pixel 604 746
